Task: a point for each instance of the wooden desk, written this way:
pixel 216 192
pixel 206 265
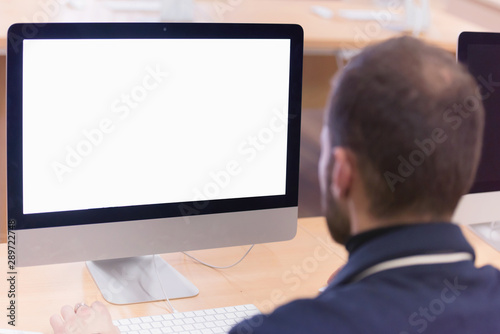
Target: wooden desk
pixel 271 275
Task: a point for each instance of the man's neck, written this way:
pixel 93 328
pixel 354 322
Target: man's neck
pixel 366 222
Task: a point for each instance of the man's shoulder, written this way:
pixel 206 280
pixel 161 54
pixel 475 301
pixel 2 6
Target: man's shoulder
pixel 355 308
pixel 306 315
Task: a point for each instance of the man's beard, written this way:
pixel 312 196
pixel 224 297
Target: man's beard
pixel 337 220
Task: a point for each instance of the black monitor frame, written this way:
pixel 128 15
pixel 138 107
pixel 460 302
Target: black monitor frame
pixel 20 32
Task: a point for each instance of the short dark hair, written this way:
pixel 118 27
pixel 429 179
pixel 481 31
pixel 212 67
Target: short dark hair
pixel 414 118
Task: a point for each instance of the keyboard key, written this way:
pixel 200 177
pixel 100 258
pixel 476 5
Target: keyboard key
pixel 220 323
pixel 241 314
pixel 124 322
pixel 206 331
pixel 210 324
pixel 199 326
pixel 178 322
pixel 252 313
pixel 209 318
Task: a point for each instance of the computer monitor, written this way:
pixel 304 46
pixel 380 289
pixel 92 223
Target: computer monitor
pixel 132 139
pixel 480 52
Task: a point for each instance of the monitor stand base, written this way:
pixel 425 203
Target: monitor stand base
pixel 489 232
pixel 135 280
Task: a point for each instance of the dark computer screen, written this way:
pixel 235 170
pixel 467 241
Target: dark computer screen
pixel 480 52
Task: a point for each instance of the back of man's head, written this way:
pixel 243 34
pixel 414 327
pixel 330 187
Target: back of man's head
pixel 414 119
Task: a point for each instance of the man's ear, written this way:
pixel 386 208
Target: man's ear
pixel 342 173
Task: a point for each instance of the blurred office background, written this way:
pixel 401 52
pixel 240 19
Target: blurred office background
pixel 334 31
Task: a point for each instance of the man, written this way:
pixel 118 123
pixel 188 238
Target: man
pixel 400 146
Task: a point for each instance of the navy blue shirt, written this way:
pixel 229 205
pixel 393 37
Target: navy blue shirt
pixel 440 298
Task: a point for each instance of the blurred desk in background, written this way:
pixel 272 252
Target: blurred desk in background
pixel 321 34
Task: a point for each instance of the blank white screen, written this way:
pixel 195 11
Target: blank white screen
pixel 113 123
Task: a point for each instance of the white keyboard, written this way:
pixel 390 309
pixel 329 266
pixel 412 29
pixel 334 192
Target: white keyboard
pixel 209 321
pixel 16 331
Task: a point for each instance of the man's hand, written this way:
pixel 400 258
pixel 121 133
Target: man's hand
pixel 83 319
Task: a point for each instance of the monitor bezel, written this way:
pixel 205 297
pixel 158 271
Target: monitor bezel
pixel 20 32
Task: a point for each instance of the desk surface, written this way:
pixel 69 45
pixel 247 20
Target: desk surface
pixel 291 269
pixel 321 35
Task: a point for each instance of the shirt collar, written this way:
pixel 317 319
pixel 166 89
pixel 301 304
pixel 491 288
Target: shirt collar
pixel 372 247
pixel 357 241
